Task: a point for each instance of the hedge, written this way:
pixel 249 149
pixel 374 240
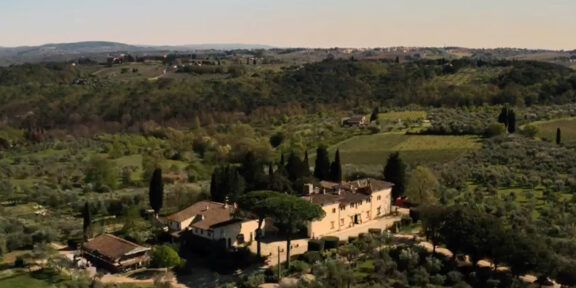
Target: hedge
pixel 375 231
pixel 331 242
pixel 316 245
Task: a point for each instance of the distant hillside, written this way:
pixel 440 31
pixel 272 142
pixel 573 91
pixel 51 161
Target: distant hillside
pixel 232 46
pixel 98 50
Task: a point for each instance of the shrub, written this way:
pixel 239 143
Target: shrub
pixel 352 239
pixel 405 221
pixel 331 242
pixel 315 245
pixel 375 231
pixel 438 279
pixel 312 257
pixel 494 129
pixel 299 267
pixel 164 256
pixel 19 262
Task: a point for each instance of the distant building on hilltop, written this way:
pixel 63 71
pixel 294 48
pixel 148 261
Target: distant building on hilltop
pixel 355 120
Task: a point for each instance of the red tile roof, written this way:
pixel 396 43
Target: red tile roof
pixel 205 213
pixel 112 247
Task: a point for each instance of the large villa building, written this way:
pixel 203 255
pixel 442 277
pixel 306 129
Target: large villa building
pixel 348 204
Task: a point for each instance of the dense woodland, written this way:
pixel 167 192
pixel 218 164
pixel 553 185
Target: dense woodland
pixel 59 95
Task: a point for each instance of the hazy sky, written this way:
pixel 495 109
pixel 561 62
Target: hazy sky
pixel 294 23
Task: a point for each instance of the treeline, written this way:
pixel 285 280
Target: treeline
pixel 51 95
pixel 483 236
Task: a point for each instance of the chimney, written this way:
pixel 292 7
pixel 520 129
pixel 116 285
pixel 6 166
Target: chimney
pixel 309 188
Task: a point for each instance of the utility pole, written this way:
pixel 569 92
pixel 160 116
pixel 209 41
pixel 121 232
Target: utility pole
pixel 279 266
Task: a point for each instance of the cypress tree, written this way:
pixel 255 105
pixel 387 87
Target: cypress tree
pixel 306 165
pixel 86 214
pixel 511 121
pixel 374 115
pixel 252 171
pixel 336 168
pixel 156 191
pixel 322 167
pixel 294 167
pixel 395 172
pixel 558 136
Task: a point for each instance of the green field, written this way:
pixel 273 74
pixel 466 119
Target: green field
pixel 404 115
pixel 369 152
pixel 567 127
pixel 470 75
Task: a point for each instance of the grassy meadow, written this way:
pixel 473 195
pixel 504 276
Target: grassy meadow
pixel 567 127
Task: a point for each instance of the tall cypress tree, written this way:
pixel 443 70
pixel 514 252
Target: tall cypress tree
pixel 156 191
pixel 511 121
pixel 336 168
pixel 395 172
pixel 294 167
pixel 558 136
pixel 374 115
pixel 322 167
pixel 306 165
pixel 252 171
pixel 226 182
pixel 508 118
pixel 86 215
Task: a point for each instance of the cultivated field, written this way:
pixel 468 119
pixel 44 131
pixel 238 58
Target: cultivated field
pixel 403 115
pixel 567 127
pixel 369 153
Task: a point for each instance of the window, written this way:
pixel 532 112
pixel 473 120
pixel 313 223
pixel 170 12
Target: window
pixel 333 210
pixel 378 211
pixel 341 221
pixel 331 224
pixel 342 207
pixel 351 205
pixel 379 197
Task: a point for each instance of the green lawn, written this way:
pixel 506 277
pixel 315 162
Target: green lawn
pixel 567 127
pixel 35 280
pixel 368 153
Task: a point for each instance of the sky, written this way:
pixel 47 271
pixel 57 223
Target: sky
pixel 547 24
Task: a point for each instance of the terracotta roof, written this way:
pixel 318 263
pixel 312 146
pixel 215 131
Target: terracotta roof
pixel 205 213
pixel 350 192
pixel 112 247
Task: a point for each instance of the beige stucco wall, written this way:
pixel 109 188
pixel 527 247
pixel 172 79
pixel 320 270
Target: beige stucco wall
pixel 324 226
pixel 339 218
pixel 384 203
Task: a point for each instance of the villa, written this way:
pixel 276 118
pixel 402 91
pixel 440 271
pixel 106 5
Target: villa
pixel 213 221
pixel 348 204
